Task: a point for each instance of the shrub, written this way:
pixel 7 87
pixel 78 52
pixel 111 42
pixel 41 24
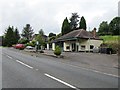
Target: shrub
pixel 114 46
pixel 57 51
pixel 23 41
pixel 32 43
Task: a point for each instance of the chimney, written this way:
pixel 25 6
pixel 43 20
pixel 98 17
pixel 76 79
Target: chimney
pixel 94 32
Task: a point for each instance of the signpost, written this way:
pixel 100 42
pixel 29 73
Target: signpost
pixel 37 46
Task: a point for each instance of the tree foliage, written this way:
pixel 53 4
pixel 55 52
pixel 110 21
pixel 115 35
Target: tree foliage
pixel 23 41
pixel 82 23
pixel 57 51
pixel 40 38
pixel 9 39
pixel 65 27
pixel 103 28
pixel 17 35
pixel 51 34
pixel 114 26
pixel 41 32
pixel 74 21
pixel 27 32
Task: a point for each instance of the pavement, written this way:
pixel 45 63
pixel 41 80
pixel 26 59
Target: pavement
pixel 23 70
pixel 102 63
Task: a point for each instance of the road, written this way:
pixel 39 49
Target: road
pixel 24 71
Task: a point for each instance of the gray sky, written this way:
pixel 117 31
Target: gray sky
pixel 49 14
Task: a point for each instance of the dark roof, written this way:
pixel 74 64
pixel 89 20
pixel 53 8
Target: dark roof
pixel 75 34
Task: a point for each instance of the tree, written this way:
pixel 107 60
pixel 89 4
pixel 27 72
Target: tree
pixel 23 41
pixel 17 36
pixel 9 39
pixel 65 27
pixel 41 32
pixel 103 28
pixel 27 32
pixel 82 23
pixel 51 34
pixel 74 21
pixel 58 35
pixel 40 38
pixel 114 26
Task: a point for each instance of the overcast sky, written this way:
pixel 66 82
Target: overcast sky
pixel 49 14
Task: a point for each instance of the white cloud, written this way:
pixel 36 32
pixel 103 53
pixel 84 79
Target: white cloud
pixel 49 14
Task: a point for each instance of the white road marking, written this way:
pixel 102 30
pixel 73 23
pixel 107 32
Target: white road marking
pixel 9 56
pixel 24 64
pixel 71 86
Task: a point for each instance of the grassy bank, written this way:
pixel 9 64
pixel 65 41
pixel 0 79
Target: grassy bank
pixel 110 39
pixel 112 42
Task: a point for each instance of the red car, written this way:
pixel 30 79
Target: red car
pixel 19 46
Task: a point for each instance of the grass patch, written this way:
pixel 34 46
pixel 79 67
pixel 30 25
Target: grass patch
pixel 110 39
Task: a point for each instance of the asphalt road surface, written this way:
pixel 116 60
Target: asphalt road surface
pixel 24 71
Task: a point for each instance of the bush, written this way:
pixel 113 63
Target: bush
pixel 57 51
pixel 114 46
pixel 23 41
pixel 32 43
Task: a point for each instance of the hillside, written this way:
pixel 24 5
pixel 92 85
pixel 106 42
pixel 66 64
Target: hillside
pixel 109 39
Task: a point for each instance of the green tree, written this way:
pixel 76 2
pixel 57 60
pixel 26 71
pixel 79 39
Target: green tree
pixel 41 32
pixel 51 34
pixel 82 23
pixel 9 39
pixel 58 35
pixel 65 27
pixel 23 41
pixel 40 38
pixel 27 32
pixel 103 28
pixel 17 35
pixel 74 21
pixel 114 26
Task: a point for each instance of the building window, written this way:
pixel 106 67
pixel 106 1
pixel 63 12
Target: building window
pixel 82 47
pixel 91 46
pixel 67 47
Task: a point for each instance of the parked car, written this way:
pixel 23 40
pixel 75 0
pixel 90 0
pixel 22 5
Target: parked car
pixel 96 50
pixel 29 47
pixel 19 46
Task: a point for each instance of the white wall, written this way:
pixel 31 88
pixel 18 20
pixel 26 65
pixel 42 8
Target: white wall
pixel 87 43
pixel 53 46
pixel 48 46
pixel 67 44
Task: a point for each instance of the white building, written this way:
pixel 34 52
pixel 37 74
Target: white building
pixel 78 40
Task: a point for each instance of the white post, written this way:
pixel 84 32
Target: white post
pixel 64 46
pixel 47 46
pixel 53 46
